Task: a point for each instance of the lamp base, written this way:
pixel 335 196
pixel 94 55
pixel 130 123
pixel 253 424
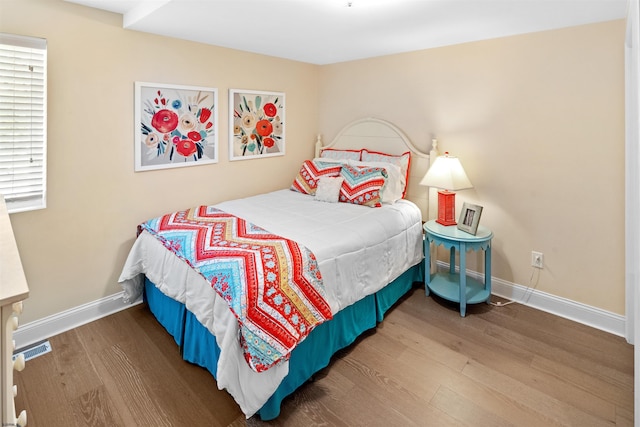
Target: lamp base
pixel 446 208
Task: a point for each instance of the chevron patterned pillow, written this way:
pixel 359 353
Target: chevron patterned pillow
pixel 306 181
pixel 362 185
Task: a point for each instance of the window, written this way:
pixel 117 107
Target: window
pixel 23 124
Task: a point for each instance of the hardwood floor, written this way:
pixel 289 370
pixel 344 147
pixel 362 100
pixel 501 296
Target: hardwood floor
pixel 423 366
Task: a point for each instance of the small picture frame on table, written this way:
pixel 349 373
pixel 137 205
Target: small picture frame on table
pixel 469 218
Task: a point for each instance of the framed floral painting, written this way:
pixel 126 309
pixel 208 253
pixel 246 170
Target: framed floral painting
pixel 256 122
pixel 176 126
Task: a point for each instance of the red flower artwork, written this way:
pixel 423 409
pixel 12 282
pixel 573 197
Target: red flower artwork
pixel 186 147
pixel 264 128
pixel 270 110
pixel 205 113
pixel 194 135
pixel 177 126
pixel 268 142
pixel 257 124
pixel 165 121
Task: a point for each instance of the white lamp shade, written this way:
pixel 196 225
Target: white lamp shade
pixel 446 173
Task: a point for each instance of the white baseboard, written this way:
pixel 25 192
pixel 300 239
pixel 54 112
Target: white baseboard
pixel 578 312
pixel 44 328
pixel 563 307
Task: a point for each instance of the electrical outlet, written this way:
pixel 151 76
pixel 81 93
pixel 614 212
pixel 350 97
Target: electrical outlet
pixel 537 259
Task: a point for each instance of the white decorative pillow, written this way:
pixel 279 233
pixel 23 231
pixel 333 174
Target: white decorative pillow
pixel 403 161
pixel 328 189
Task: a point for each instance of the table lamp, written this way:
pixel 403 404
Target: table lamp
pixel 447 174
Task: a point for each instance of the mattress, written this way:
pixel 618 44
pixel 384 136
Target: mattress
pixel 359 251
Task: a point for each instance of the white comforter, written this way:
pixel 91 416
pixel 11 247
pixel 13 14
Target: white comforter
pixel 359 251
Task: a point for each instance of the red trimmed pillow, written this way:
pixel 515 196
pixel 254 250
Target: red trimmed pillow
pixel 403 161
pixel 361 186
pixel 332 153
pixel 306 181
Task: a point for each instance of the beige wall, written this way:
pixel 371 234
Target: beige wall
pixel 538 123
pixel 74 249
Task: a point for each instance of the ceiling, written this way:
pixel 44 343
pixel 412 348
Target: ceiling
pixel 330 31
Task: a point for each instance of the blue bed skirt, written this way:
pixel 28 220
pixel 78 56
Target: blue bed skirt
pixel 198 346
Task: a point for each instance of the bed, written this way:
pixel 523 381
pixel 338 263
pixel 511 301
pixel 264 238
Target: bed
pixel 367 258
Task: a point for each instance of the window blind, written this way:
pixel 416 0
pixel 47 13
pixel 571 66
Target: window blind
pixel 23 101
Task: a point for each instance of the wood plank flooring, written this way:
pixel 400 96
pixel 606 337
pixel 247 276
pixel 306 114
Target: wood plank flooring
pixel 423 366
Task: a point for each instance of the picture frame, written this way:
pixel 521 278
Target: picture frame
pixel 175 126
pixel 256 124
pixel 469 218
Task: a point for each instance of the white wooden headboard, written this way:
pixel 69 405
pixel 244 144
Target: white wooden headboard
pixel 383 136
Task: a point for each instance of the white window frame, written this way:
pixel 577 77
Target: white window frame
pixel 23 122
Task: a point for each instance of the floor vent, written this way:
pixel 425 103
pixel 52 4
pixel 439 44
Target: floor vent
pixel 34 351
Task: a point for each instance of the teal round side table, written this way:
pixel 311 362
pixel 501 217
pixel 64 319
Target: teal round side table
pixel 452 286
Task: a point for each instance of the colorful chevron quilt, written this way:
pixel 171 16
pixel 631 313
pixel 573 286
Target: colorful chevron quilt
pixel 272 284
